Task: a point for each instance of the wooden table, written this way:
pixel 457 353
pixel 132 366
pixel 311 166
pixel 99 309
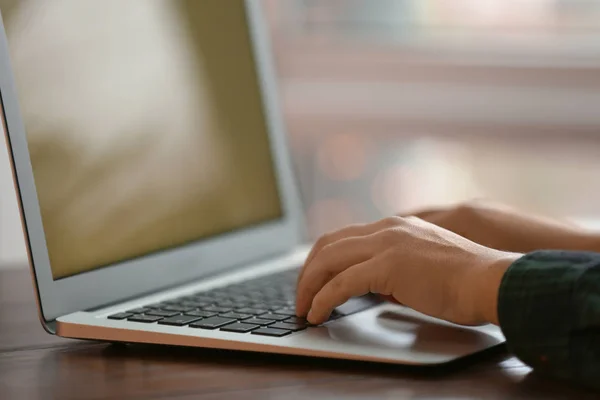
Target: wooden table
pixel 35 365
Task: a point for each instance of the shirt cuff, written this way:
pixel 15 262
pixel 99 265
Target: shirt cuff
pixel 536 308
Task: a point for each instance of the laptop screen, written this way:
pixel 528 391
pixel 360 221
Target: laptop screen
pixel 145 125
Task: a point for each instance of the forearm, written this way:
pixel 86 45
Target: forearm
pixel 572 239
pixel 585 241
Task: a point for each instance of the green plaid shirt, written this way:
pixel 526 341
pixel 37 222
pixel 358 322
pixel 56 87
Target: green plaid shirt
pixel 549 311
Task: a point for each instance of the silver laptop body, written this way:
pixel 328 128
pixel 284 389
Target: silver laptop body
pixel 108 221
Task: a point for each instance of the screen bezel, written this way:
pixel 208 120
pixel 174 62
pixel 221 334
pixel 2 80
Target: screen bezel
pixel 168 268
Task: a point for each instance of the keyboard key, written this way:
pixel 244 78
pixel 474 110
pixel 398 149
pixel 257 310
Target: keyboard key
pixel 201 313
pixel 140 310
pixel 288 326
pixel 179 320
pixel 255 296
pixel 250 310
pixel 240 304
pixel 240 327
pixel 203 299
pixel 296 320
pixel 261 305
pixel 179 308
pixel 212 323
pixel 267 301
pixel 217 309
pixel 285 311
pixel 121 315
pixel 162 313
pixel 271 332
pixel 156 305
pixel 193 305
pixel 225 303
pixel 260 321
pixel 147 319
pixel 277 305
pixel 240 299
pixel 235 315
pixel 276 317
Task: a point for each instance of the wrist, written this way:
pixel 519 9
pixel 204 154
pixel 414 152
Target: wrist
pixel 488 285
pixel 588 241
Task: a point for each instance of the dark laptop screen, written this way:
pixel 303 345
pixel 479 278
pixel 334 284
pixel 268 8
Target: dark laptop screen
pixel 145 125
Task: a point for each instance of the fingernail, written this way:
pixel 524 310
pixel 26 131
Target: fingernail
pixel 310 316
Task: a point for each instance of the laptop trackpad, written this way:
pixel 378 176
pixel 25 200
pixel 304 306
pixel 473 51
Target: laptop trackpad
pixel 394 327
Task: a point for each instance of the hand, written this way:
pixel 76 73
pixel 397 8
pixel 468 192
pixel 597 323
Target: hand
pixel 420 265
pixel 503 228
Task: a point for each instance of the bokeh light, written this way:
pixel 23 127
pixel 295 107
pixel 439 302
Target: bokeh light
pixel 343 157
pixel 327 215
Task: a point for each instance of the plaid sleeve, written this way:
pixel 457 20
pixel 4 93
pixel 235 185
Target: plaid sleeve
pixel 549 311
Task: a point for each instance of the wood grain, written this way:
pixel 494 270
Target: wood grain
pixel 35 365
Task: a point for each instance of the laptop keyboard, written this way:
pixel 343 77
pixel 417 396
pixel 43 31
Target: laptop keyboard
pixel 262 306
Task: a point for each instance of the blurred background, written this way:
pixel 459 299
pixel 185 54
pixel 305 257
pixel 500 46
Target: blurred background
pixel 393 105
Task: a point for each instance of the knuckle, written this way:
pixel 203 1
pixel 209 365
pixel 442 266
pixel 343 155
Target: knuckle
pixel 353 228
pixel 413 219
pixel 390 236
pixel 326 257
pixel 323 241
pixel 325 250
pixel 467 209
pixel 334 236
pixel 392 221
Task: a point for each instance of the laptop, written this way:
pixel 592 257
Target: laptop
pixel 156 189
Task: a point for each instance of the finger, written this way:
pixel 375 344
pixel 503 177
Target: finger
pixel 357 280
pixel 302 306
pixel 329 262
pixel 349 231
pixel 389 298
